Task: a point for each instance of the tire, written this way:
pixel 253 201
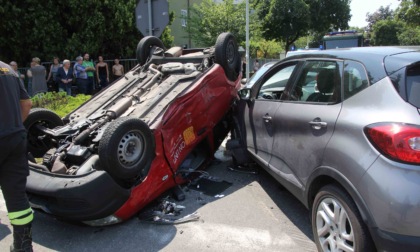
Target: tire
pixel 144 48
pixel 40 117
pixel 127 148
pixel 227 55
pixel 348 225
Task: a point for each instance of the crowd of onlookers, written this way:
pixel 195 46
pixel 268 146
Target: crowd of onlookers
pixel 84 76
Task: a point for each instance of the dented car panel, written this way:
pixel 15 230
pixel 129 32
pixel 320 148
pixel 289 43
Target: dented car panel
pixel 144 134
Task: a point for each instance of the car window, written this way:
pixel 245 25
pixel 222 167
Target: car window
pixel 319 81
pixel 257 75
pixel 413 85
pixel 355 78
pixel 273 87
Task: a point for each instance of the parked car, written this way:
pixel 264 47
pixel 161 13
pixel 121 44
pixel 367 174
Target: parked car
pixel 144 134
pixel 257 74
pixel 341 131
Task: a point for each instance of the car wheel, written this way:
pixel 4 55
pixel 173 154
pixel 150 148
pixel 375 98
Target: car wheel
pixel 227 55
pixel 37 118
pixel 336 222
pixel 126 148
pixel 144 48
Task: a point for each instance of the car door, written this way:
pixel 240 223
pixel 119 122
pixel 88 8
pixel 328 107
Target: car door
pixel 259 114
pixel 305 121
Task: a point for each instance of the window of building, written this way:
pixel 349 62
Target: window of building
pixel 184 16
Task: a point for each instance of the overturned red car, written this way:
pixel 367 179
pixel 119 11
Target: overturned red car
pixel 142 135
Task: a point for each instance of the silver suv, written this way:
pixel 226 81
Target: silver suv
pixel 340 129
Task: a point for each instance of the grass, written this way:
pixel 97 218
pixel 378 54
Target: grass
pixel 60 102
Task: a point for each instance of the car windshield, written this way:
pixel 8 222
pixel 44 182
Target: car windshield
pixel 258 74
pixel 413 85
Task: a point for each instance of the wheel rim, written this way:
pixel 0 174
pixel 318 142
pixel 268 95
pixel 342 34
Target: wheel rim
pixel 130 148
pixel 334 229
pixel 230 52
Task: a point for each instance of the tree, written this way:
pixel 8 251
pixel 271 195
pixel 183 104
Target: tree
pixel 209 19
pixel 385 32
pixel 267 48
pixel 409 12
pixel 166 36
pixel 67 29
pixel 328 14
pixel 284 20
pixel 27 30
pixel 382 13
pixel 287 20
pixel 409 36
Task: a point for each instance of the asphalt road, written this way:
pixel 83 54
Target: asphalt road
pixel 254 214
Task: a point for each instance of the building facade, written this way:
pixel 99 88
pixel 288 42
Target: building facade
pixel 179 27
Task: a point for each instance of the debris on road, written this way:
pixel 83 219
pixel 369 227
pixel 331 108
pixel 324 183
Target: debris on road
pixel 166 214
pixel 209 185
pixel 250 168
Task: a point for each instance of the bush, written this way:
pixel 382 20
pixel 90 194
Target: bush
pixel 60 102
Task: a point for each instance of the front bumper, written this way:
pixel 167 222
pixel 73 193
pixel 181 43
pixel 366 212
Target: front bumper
pixel 86 197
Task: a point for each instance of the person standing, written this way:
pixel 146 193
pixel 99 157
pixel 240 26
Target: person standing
pixel 243 67
pixel 102 72
pixel 52 75
pixel 15 104
pixel 65 77
pixel 29 75
pixel 82 80
pixel 256 65
pixel 90 70
pixel 14 65
pixel 117 69
pixel 39 74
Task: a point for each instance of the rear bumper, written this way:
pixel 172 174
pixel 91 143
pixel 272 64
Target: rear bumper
pixel 390 190
pixel 386 241
pixel 86 197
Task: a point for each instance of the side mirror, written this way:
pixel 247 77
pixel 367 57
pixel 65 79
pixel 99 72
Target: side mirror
pixel 245 94
pixel 243 81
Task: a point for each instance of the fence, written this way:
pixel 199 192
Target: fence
pixel 130 63
pixel 127 63
pixel 261 61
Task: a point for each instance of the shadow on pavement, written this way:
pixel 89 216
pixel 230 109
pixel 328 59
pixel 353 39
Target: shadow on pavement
pixel 4 231
pixel 297 213
pixel 222 217
pixel 134 234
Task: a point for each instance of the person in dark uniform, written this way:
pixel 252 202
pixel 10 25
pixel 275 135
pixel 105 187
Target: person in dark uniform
pixel 15 105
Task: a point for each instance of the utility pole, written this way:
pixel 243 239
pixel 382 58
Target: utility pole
pixel 188 28
pixel 149 5
pixel 247 40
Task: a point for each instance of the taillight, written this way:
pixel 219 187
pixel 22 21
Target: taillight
pixel 397 141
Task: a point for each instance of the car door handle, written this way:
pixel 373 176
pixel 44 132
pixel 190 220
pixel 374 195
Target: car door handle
pixel 318 124
pixel 267 118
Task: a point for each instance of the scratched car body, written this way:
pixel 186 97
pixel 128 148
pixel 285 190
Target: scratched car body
pixel 141 136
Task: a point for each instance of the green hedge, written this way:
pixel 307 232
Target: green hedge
pixel 60 102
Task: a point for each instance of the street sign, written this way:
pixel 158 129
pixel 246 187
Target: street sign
pixel 155 23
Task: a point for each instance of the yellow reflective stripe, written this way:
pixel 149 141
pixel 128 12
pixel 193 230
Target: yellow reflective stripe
pixel 14 215
pixel 22 221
